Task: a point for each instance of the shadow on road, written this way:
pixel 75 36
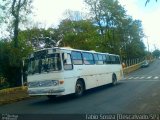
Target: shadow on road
pixel 71 97
pixel 100 89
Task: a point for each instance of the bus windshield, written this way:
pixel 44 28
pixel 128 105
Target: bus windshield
pixel 45 63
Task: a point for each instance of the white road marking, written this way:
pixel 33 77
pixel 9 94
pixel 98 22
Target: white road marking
pixel 141 77
pixel 131 78
pixel 149 77
pixel 154 80
pixel 156 77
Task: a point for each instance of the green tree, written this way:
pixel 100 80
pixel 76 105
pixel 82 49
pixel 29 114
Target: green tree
pixel 147 1
pixel 118 31
pixel 17 6
pixel 9 61
pixel 80 34
pixel 40 38
pixel 106 15
pixel 14 14
pixel 156 53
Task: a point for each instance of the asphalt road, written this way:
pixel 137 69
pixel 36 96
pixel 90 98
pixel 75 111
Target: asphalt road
pixel 138 93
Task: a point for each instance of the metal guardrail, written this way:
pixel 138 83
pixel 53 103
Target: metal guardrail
pixel 134 67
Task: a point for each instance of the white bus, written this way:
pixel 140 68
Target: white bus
pixel 61 71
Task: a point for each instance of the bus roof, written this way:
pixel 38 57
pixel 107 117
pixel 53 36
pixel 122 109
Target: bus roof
pixel 71 49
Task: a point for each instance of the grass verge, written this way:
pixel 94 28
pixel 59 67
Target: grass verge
pixel 13 94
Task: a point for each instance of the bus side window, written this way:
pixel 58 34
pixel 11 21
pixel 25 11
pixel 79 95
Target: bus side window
pixel 110 59
pixel 113 59
pixel 117 60
pixel 104 59
pixel 100 59
pixel 77 58
pixel 67 62
pixel 88 58
pixel 95 58
pixel 107 59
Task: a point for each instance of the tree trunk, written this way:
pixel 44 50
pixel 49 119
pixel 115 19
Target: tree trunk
pixel 16 32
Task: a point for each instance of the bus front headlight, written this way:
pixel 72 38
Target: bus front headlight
pixel 55 82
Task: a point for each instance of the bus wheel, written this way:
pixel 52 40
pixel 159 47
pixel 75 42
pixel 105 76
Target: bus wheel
pixel 51 97
pixel 114 80
pixel 79 88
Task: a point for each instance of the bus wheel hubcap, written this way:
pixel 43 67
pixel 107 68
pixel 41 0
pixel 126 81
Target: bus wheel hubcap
pixel 79 88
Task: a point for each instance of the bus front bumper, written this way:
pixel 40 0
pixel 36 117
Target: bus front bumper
pixel 45 91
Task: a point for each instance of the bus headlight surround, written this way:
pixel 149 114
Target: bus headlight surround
pixel 46 83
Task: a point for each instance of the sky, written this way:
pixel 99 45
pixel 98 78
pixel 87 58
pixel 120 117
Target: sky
pixel 149 15
pixel 51 12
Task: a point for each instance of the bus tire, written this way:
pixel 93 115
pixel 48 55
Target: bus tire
pixel 51 97
pixel 114 80
pixel 79 88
